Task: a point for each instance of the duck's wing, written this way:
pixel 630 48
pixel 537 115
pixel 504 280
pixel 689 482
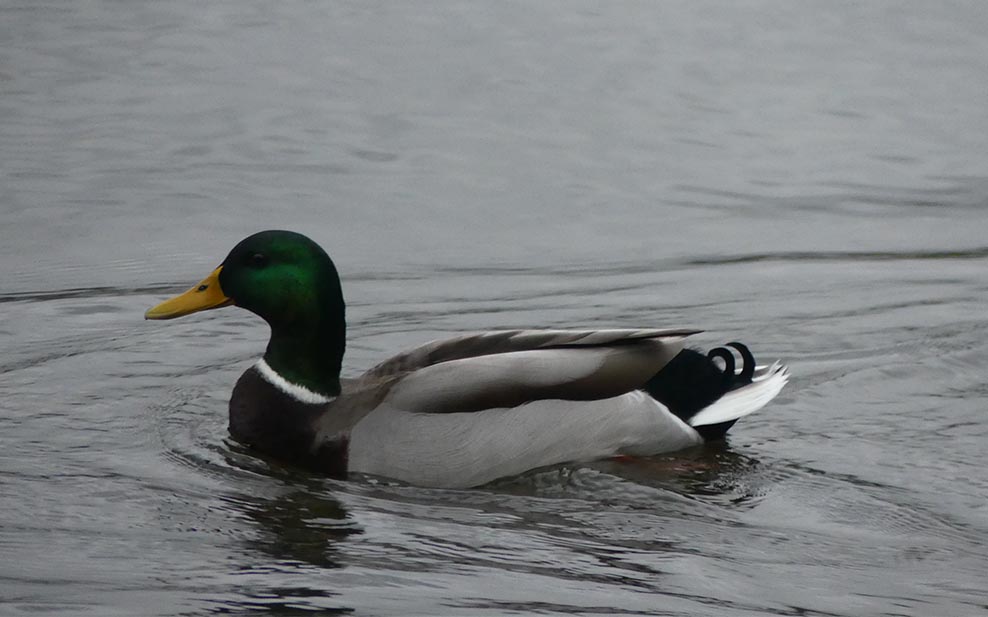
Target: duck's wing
pixel 504 369
pixel 507 369
pixel 507 341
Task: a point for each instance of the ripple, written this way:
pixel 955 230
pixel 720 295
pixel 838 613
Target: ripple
pixel 843 256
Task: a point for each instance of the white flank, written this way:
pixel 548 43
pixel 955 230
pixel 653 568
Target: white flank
pixel 767 383
pixel 469 449
pixel 296 391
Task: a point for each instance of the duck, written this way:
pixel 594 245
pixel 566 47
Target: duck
pixel 464 411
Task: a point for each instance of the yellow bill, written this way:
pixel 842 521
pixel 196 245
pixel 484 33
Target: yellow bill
pixel 206 295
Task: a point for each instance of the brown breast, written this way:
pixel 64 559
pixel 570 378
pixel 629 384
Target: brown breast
pixel 271 421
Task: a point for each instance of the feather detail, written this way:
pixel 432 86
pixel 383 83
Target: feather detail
pixel 507 341
pixel 765 385
pixel 511 379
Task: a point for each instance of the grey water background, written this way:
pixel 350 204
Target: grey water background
pixel 811 178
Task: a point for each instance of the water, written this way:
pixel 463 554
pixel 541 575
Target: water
pixel 809 178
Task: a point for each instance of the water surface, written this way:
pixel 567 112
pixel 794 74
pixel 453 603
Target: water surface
pixel 808 178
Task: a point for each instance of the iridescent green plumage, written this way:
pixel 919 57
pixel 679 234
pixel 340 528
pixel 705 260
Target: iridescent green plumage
pixel 288 280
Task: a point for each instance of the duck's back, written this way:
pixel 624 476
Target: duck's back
pixel 468 410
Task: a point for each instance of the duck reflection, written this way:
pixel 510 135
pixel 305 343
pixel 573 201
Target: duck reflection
pixel 713 473
pixel 300 524
pixel 303 522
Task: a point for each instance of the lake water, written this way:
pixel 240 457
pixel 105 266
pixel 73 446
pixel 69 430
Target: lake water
pixel 811 178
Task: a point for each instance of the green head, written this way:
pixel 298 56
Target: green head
pixel 283 277
pixel 289 281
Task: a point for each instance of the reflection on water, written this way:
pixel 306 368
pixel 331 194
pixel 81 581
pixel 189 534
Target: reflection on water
pixel 302 525
pixel 713 474
pixel 297 530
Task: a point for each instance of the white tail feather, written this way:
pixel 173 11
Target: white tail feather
pixel 765 385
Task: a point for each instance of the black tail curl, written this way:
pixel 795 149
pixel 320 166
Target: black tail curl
pixel 747 364
pixel 692 381
pixel 728 373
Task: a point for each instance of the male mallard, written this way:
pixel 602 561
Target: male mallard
pixel 462 411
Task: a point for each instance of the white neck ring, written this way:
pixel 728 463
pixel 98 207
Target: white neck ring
pixel 296 391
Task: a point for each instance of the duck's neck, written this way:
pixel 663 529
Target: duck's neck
pixel 281 419
pixel 310 356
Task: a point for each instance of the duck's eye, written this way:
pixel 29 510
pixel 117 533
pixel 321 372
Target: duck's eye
pixel 258 260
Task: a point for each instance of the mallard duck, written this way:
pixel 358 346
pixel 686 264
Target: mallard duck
pixel 467 410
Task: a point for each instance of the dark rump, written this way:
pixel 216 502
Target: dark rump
pixel 692 381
